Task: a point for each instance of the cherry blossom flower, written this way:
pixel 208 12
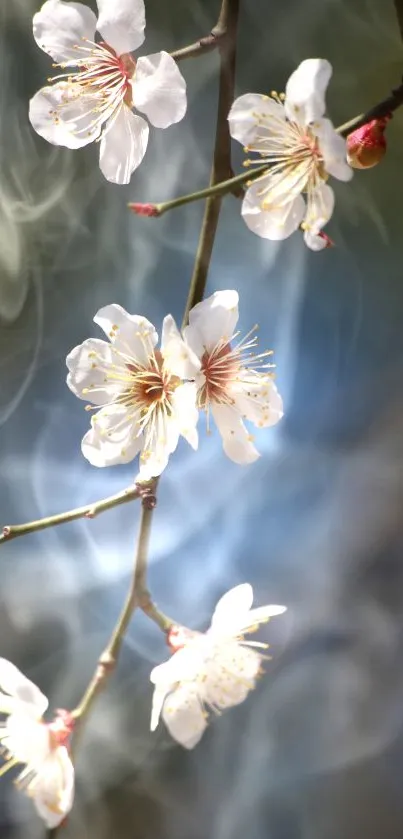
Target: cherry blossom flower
pixel 42 748
pixel 101 82
pixel 210 670
pixel 233 382
pixel 144 395
pixel 302 149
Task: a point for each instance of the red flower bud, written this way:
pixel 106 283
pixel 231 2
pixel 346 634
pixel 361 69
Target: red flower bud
pixel 367 145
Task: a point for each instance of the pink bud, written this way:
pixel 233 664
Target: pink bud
pixel 367 145
pixel 144 209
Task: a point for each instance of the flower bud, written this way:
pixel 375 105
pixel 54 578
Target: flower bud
pixel 367 145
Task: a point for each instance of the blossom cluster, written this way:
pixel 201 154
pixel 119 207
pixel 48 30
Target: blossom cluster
pixel 103 83
pixel 147 397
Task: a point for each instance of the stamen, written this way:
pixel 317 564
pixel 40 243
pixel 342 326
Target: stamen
pixel 101 77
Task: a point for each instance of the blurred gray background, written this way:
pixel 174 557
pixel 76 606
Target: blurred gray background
pixel 317 751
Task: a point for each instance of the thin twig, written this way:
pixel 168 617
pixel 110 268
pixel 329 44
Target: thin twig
pixel 216 189
pixel 137 596
pixel 89 511
pixel 207 44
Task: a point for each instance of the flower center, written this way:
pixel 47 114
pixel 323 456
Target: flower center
pixel 293 154
pixel 226 369
pixel 102 76
pixel 219 367
pixel 151 388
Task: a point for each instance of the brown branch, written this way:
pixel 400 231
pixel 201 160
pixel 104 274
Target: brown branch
pixel 212 41
pixel 399 14
pixel 221 169
pixel 137 597
pixel 382 109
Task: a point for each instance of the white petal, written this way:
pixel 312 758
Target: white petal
pixel 159 694
pixel 212 321
pixel 123 146
pixel 183 715
pixel 232 675
pixel 333 149
pixel 260 615
pixel 132 335
pixel 88 365
pixel 13 682
pixel 305 90
pixel 60 27
pixel 258 400
pixel 253 115
pixel 230 608
pixel 184 404
pixel 236 600
pixel 113 438
pixel 315 241
pixel 26 736
pixel 159 89
pixel 62 118
pixel 121 23
pixel 237 442
pixel 275 223
pixel 53 791
pixel 186 664
pixel 160 440
pixel 178 356
pixel 319 211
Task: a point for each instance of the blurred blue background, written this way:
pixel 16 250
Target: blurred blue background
pixel 316 523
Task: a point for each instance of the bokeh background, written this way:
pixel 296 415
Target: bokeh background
pixel 316 523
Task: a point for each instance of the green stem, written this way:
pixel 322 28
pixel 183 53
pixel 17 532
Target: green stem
pixel 217 189
pixel 88 511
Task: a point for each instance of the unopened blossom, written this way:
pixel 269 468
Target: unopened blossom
pixel 234 383
pixel 366 146
pixel 144 394
pixel 210 671
pixel 302 149
pixel 100 83
pixel 41 748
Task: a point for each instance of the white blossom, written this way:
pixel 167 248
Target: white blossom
pixel 233 383
pixel 144 395
pixel 101 82
pixel 42 748
pixel 213 670
pixel 302 148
